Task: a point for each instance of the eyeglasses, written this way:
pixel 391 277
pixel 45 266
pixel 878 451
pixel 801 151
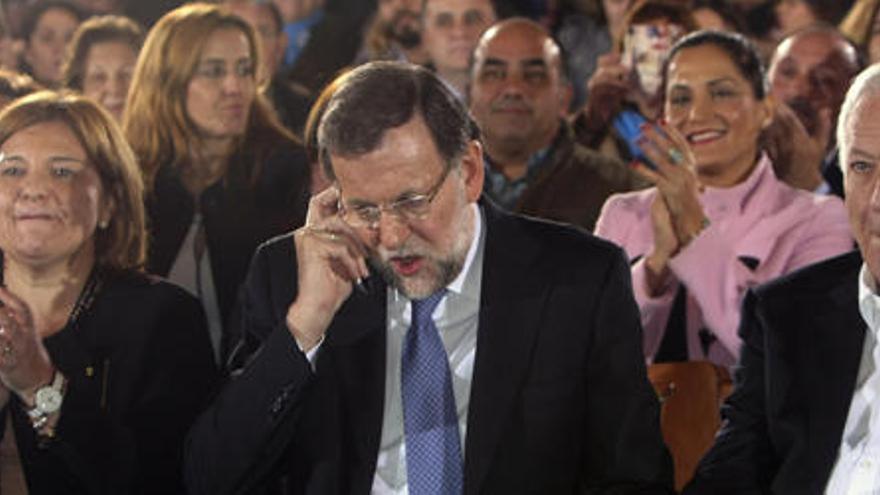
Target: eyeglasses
pixel 409 209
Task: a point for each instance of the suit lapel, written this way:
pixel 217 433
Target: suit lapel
pixel 831 354
pixel 511 302
pixel 357 338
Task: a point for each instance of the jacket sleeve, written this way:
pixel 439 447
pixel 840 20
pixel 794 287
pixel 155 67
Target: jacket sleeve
pixel 615 224
pixel 741 460
pixel 240 438
pixel 626 453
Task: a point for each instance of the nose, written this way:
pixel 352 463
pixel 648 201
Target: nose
pixel 513 85
pixel 232 83
pixel 393 231
pixel 701 108
pixel 119 85
pixel 33 187
pixel 458 30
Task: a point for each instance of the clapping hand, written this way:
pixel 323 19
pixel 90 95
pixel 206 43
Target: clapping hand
pixel 24 363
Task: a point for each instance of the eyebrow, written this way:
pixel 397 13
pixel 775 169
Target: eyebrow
pixel 533 62
pixel 861 153
pixel 54 158
pixel 713 82
pixel 494 62
pixel 721 80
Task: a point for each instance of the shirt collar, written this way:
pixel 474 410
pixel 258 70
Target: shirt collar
pixel 461 284
pixel 869 301
pixel 734 199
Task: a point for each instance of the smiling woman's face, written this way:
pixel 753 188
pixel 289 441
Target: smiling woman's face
pixel 714 107
pixel 51 198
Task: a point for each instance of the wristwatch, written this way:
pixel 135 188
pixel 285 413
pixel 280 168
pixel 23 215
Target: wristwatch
pixel 47 401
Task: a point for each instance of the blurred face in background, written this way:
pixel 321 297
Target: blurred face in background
pixel 273 41
pixel 812 71
pixel 517 93
pixel 451 29
pixel 220 93
pixel 100 7
pixel 792 15
pixel 45 50
pixel 401 21
pixel 107 73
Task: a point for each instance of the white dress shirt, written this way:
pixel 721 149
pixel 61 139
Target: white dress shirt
pixel 456 318
pixel 857 470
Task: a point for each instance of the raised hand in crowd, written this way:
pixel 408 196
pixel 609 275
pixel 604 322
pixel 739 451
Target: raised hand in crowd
pixel 797 155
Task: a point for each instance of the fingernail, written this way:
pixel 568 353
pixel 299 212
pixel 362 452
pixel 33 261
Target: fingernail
pixel 644 125
pixel 359 284
pixel 633 164
pixel 662 121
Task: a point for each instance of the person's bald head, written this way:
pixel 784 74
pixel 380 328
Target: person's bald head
pixel 811 70
pixel 518 89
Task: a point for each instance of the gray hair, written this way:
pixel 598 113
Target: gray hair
pixel 865 86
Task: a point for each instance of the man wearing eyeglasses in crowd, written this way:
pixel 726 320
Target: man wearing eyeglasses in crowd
pixel 412 338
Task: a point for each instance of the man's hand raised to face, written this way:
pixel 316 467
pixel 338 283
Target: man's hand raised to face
pixel 330 260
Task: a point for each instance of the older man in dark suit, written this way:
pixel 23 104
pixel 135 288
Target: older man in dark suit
pixel 805 415
pixel 412 338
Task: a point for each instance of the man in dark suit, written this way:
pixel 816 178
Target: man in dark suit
pixel 804 417
pixel 538 385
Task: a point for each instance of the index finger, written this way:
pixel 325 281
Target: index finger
pixel 323 205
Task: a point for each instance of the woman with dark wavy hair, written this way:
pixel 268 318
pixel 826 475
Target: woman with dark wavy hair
pixel 717 220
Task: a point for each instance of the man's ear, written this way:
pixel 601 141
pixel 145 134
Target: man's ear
pixel 473 171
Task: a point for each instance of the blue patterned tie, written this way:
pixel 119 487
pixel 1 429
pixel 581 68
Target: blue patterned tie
pixel 430 423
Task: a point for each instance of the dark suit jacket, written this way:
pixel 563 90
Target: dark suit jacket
pixel 802 344
pixel 559 400
pixel 140 368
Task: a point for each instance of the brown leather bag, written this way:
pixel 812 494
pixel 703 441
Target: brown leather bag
pixel 691 394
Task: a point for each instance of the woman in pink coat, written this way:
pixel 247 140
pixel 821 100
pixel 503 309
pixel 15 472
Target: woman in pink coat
pixel 717 221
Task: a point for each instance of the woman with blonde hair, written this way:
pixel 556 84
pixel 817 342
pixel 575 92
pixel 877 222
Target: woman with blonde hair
pixel 223 175
pixel 102 368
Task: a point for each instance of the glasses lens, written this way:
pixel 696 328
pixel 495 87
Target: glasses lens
pixel 413 208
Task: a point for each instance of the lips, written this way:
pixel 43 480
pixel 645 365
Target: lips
pixel 704 137
pixel 27 215
pixel 406 265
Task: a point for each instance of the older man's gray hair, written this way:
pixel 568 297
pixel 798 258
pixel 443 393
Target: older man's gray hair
pixel 865 86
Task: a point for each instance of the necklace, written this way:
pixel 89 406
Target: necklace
pixel 87 296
